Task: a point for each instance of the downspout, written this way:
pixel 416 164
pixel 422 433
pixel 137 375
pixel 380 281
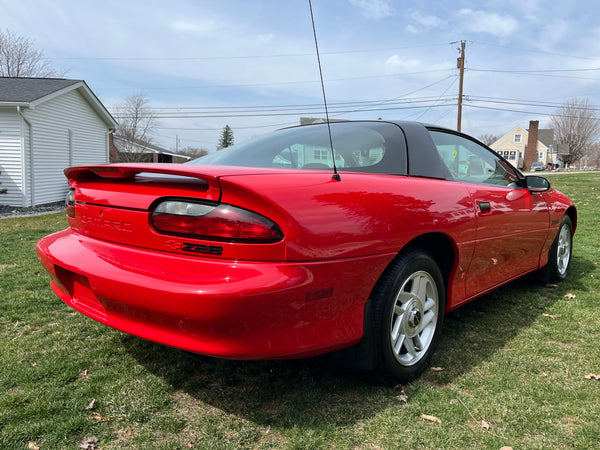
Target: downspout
pixel 30 182
pixel 107 142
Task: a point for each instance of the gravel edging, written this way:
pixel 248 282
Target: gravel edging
pixel 30 211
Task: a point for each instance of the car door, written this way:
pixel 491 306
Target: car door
pixel 511 222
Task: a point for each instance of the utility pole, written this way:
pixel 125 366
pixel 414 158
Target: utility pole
pixel 176 143
pixel 460 64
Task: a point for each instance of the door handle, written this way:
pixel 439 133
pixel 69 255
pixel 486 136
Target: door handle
pixel 484 207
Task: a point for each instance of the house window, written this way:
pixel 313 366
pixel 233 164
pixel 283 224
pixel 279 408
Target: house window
pixel 320 154
pixel 512 155
pixel 541 156
pixel 517 138
pixel 520 154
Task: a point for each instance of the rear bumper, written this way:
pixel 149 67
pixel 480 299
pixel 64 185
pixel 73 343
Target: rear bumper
pixel 242 310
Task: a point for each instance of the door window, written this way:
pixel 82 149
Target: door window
pixel 470 162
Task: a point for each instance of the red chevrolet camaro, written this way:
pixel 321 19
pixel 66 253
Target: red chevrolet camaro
pixel 259 251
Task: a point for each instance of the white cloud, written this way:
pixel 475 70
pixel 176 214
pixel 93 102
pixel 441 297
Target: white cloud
pixel 422 22
pixel 552 33
pixel 265 38
pixel 396 63
pixel 197 28
pixel 425 20
pixel 492 23
pixel 374 9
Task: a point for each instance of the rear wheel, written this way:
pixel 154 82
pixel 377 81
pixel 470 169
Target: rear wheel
pixel 408 310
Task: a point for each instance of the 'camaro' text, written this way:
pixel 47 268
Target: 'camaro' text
pixel 107 223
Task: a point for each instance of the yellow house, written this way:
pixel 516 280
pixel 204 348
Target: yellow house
pixel 512 146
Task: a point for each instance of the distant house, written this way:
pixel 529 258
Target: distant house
pixel 513 146
pixel 123 151
pixel 46 125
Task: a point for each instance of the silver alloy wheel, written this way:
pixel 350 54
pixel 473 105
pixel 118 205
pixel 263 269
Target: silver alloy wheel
pixel 563 251
pixel 414 318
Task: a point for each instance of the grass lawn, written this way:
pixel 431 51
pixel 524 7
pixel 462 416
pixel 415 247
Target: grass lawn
pixel 511 371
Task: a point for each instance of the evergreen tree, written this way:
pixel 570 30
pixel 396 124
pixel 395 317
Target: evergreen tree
pixel 226 139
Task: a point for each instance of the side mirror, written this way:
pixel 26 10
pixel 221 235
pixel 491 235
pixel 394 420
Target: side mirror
pixel 536 184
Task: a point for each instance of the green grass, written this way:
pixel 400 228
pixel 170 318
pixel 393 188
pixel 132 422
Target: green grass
pixel 504 362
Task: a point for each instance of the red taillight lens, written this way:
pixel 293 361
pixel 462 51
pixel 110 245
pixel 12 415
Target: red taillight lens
pixel 213 222
pixel 70 203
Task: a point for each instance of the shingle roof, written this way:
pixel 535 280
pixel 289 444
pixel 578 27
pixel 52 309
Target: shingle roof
pixel 546 136
pixel 25 90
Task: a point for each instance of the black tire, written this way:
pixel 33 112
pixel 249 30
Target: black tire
pixel 559 256
pixel 408 311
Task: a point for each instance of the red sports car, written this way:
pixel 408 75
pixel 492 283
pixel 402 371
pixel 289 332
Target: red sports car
pixel 259 251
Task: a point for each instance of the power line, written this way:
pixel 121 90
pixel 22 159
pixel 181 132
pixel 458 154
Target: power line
pixel 537 51
pixel 279 83
pixel 211 58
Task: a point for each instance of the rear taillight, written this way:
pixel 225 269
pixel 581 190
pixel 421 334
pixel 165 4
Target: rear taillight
pixel 70 203
pixel 213 222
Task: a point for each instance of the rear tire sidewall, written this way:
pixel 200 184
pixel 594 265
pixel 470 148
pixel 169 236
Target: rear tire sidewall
pixel 406 265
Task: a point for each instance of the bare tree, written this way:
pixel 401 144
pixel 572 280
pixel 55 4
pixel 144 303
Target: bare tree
pixel 577 125
pixel 593 154
pixel 137 120
pixel 20 58
pixel 488 139
pixel 193 152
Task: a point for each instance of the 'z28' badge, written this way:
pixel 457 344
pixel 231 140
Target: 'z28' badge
pixel 195 248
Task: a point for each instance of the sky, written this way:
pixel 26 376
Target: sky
pixel 252 64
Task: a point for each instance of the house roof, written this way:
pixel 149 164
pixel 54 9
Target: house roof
pixel 143 147
pixel 546 136
pixel 29 92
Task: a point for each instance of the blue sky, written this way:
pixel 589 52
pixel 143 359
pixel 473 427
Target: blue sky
pixel 202 60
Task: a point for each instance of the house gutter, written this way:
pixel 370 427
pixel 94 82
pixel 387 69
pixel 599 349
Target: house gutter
pixel 31 165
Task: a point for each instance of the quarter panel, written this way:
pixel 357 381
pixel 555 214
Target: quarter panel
pixel 360 215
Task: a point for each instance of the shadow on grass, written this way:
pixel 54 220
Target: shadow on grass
pixel 304 393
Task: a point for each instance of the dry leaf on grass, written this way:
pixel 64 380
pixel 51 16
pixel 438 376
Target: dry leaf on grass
pixel 506 447
pixel 437 369
pixel 551 316
pixel 32 446
pixel 592 376
pixel 402 398
pixel 91 405
pixel 89 444
pixel 570 296
pixel 485 425
pixel 98 417
pixel 429 418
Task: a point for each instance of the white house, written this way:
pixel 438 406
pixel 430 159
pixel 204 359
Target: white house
pixel 46 125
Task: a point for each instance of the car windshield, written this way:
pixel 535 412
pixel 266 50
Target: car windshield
pixel 358 147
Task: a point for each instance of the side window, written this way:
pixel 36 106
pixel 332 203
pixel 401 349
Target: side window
pixel 472 163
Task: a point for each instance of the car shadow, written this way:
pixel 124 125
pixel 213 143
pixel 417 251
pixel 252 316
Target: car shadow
pixel 302 393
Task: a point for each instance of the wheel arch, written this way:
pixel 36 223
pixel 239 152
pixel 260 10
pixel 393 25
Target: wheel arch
pixel 440 246
pixel 572 213
pixel 443 250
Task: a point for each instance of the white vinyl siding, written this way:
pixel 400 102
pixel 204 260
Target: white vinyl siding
pixel 66 131
pixel 11 175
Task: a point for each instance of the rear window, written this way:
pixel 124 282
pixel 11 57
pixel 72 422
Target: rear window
pixel 375 147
